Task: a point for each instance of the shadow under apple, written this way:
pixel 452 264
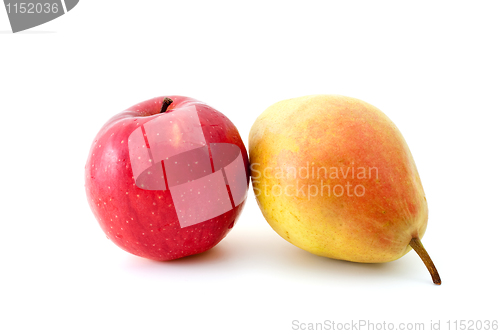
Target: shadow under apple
pixel 207 258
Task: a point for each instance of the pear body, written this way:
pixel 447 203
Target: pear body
pixel 335 177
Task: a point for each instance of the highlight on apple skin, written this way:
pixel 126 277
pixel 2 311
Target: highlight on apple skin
pixel 335 177
pixel 167 178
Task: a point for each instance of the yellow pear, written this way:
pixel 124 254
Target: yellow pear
pixel 335 177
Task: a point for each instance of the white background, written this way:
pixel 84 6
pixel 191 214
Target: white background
pixel 432 67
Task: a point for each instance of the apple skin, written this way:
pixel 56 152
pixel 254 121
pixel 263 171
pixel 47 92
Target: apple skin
pixel 145 222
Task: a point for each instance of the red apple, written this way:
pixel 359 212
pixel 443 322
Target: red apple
pixel 167 178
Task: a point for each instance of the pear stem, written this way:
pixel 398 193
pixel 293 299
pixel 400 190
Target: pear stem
pixel 166 102
pixel 416 244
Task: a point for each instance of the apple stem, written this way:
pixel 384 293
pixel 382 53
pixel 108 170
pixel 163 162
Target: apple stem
pixel 416 244
pixel 166 102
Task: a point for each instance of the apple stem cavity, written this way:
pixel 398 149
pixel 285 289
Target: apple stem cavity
pixel 416 244
pixel 166 102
